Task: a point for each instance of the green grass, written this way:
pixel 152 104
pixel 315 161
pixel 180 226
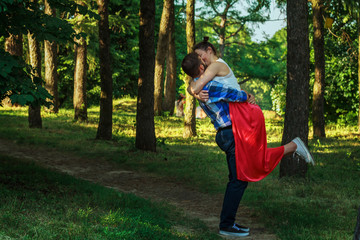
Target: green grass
pixel 321 206
pixel 39 204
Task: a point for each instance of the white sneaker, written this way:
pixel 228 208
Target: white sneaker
pixel 303 151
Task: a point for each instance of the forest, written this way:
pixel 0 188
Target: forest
pixel 101 79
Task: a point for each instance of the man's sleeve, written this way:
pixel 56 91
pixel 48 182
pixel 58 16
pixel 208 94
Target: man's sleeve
pixel 219 92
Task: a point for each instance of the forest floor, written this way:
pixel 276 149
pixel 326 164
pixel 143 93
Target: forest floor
pixel 193 203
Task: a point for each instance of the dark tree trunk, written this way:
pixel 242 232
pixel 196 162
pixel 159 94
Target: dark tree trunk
pixel 170 80
pixel 34 117
pixel 145 129
pixel 358 22
pixel 105 123
pixel 189 119
pixel 319 84
pixel 51 75
pixel 162 49
pixel 80 78
pixel 357 227
pixel 297 90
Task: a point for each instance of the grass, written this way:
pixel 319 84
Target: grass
pixel 39 204
pixel 321 206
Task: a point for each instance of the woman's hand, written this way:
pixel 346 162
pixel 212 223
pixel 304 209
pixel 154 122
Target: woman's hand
pixel 251 99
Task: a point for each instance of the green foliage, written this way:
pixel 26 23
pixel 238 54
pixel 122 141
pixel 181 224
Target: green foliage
pixel 17 83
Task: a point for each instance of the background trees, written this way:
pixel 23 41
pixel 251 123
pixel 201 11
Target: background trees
pixel 259 66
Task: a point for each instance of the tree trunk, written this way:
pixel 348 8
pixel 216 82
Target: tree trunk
pixel 51 75
pixel 162 49
pixel 105 123
pixel 297 91
pixel 13 45
pixel 189 119
pixel 145 129
pixel 319 84
pixel 170 80
pixel 357 227
pixel 34 111
pixel 358 22
pixel 80 78
pixel 222 34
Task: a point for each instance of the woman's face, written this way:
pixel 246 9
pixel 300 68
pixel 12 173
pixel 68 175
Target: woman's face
pixel 204 55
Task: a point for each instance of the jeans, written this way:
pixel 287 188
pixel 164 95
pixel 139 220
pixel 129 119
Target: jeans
pixel 235 188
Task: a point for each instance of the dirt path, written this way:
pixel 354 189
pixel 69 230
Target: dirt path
pixel 193 203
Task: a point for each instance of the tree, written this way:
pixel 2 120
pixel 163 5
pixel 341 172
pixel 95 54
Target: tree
pixel 145 129
pixel 319 84
pixel 357 227
pixel 104 130
pixel 189 119
pixel 51 75
pixel 226 20
pixel 170 80
pixel 34 117
pixel 297 96
pixel 162 49
pixel 80 72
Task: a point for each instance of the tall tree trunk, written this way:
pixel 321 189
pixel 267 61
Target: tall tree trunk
pixel 80 78
pixel 189 119
pixel 13 45
pixel 51 75
pixel 319 84
pixel 162 49
pixel 34 117
pixel 170 80
pixel 358 22
pixel 105 123
pixel 145 129
pixel 222 34
pixel 297 91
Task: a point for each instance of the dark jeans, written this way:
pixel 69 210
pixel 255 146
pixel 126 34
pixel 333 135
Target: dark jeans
pixel 235 188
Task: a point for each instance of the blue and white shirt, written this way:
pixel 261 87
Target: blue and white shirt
pixel 217 107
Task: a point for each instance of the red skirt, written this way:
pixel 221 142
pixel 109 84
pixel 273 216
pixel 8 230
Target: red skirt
pixel 254 161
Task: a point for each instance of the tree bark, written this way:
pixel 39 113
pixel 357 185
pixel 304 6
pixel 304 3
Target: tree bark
pixel 162 49
pixel 319 84
pixel 297 91
pixel 145 129
pixel 358 22
pixel 105 123
pixel 189 118
pixel 51 75
pixel 80 78
pixel 34 117
pixel 13 45
pixel 170 80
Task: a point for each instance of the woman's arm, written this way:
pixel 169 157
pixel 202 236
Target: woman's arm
pixel 211 71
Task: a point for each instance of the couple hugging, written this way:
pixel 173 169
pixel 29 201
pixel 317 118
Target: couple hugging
pixel 240 129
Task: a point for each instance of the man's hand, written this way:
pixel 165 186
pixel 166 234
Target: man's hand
pixel 203 95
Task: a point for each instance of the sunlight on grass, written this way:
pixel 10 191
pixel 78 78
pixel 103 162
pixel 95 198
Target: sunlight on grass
pixel 321 206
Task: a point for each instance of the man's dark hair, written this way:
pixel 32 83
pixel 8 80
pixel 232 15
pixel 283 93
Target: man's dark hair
pixel 190 64
pixel 204 45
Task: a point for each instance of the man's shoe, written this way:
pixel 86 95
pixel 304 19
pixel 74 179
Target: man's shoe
pixel 243 228
pixel 303 151
pixel 233 231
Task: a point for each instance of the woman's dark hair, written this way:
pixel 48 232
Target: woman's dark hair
pixel 204 45
pixel 190 64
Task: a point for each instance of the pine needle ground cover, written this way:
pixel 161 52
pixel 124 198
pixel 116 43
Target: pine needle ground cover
pixel 321 206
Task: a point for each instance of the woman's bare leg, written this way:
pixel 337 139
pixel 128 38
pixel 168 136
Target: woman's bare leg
pixel 289 148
